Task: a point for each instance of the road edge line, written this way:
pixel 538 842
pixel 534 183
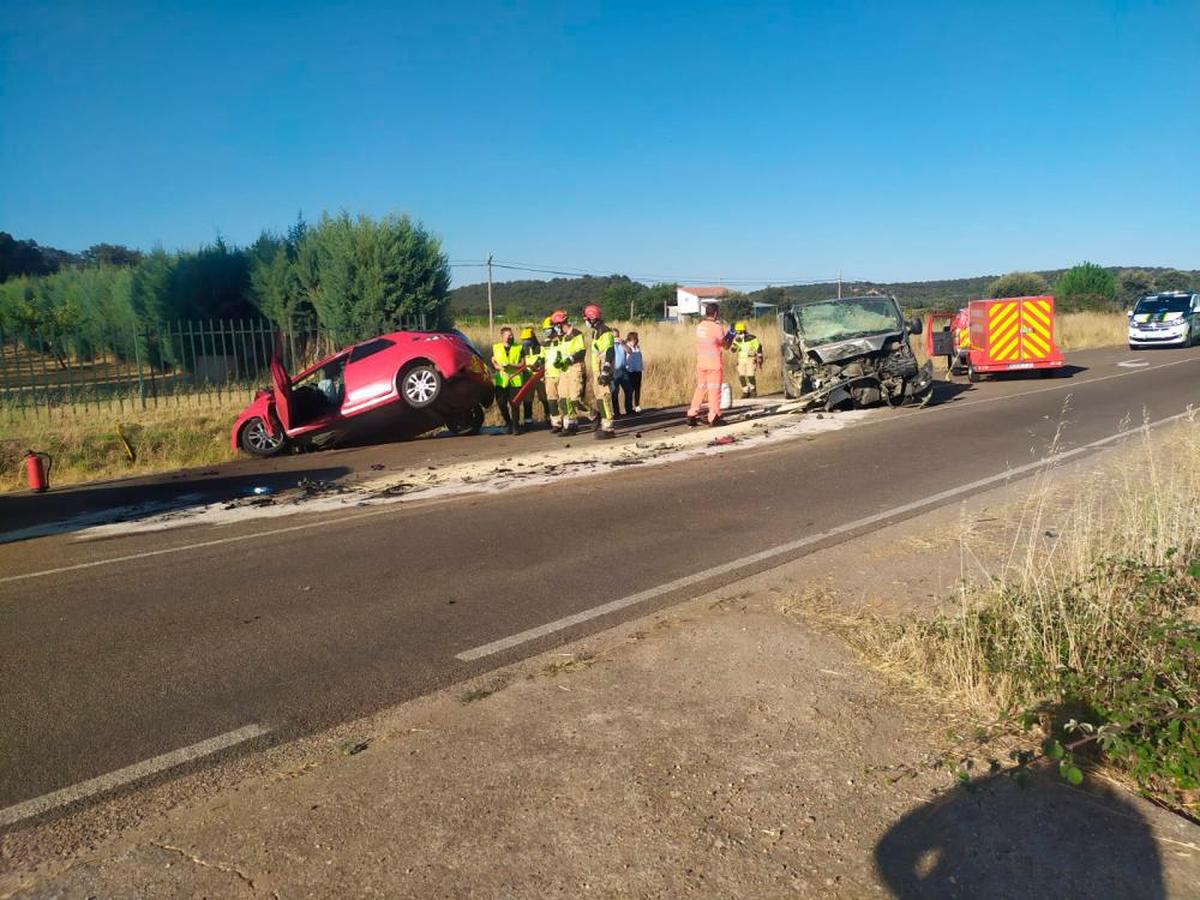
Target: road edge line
pixel 27 809
pixel 531 634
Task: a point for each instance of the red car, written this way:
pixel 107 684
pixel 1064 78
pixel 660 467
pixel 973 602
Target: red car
pixel 402 384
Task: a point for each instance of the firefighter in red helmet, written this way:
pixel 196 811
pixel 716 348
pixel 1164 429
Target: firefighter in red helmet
pixel 603 353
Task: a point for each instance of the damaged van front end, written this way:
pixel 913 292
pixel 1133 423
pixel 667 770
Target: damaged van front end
pixel 850 353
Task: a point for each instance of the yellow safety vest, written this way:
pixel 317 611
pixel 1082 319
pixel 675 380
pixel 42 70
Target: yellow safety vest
pixel 747 348
pixel 601 344
pixel 571 346
pixel 505 357
pixel 550 357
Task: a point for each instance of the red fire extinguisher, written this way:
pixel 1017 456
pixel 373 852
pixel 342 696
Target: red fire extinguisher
pixel 37 473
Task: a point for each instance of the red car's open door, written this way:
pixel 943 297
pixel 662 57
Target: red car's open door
pixel 282 384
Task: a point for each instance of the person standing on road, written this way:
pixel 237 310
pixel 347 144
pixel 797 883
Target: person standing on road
pixel 550 341
pixel 603 353
pixel 710 341
pixel 633 368
pixel 620 382
pixel 506 359
pixel 749 358
pixel 534 357
pixel 572 351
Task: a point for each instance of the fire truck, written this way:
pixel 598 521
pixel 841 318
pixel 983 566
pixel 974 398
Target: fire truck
pixel 1011 334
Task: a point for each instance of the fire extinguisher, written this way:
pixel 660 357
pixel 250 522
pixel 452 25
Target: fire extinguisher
pixel 37 473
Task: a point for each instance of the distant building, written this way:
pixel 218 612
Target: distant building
pixel 689 300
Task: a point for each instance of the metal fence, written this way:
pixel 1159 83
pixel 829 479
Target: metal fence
pixel 207 362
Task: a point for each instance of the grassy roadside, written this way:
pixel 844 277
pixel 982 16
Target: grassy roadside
pixel 1086 636
pixel 86 447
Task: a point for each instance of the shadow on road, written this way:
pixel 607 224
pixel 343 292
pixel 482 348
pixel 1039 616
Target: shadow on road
pixel 25 515
pixel 994 839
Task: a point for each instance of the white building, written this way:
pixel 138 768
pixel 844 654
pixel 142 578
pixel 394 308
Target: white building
pixel 690 300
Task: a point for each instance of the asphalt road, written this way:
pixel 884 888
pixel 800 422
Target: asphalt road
pixel 125 659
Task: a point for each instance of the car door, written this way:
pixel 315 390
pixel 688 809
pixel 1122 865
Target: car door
pixel 370 375
pixel 282 389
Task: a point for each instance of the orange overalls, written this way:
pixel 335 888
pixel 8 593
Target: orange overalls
pixel 710 341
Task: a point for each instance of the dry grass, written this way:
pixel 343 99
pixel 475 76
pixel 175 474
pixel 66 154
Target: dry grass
pixel 1083 610
pixel 86 447
pixel 1081 330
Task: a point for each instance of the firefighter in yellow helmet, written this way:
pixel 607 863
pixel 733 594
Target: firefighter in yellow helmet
pixel 534 356
pixel 506 360
pixel 572 351
pixel 550 342
pixel 749 358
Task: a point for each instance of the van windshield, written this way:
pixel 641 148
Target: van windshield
pixel 839 320
pixel 1163 305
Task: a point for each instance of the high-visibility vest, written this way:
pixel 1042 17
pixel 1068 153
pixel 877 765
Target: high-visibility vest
pixel 550 357
pixel 533 357
pixel 601 344
pixel 747 347
pixel 506 356
pixel 572 345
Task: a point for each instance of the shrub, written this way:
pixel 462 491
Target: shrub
pixel 1019 284
pixel 1086 286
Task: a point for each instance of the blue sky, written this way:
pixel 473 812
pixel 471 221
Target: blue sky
pixel 885 140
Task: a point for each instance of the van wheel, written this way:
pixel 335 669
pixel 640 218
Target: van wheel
pixel 973 376
pixel 256 439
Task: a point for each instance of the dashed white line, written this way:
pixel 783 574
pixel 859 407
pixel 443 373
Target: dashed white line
pixel 532 634
pixel 27 809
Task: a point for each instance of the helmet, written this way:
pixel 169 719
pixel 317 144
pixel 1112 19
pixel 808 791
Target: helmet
pixel 740 327
pixel 591 312
pixel 558 317
pixel 526 333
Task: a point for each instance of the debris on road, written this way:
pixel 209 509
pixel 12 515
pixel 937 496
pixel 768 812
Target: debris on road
pixel 723 441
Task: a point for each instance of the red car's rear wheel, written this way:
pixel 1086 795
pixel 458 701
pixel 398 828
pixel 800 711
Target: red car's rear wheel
pixel 420 385
pixel 257 440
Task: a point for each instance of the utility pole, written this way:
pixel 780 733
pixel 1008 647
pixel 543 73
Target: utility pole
pixel 839 285
pixel 491 317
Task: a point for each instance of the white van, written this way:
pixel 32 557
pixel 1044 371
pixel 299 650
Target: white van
pixel 1169 319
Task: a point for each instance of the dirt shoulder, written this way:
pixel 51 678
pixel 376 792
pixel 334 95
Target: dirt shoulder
pixel 726 746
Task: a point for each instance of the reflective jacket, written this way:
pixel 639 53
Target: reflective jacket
pixel 572 348
pixel 506 358
pixel 747 346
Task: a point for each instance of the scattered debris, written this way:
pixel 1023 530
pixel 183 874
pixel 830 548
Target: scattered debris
pixel 377 467
pixel 313 486
pixel 357 747
pixel 722 441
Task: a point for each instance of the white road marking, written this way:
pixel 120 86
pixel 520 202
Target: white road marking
pixel 10 815
pixel 1133 364
pixel 387 510
pixel 532 634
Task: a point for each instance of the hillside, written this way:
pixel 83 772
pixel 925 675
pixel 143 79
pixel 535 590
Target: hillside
pixel 531 298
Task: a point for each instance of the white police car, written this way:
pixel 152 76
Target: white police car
pixel 1169 319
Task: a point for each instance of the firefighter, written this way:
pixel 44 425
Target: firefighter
pixel 534 356
pixel 603 359
pixel 572 351
pixel 749 358
pixel 710 341
pixel 550 341
pixel 506 360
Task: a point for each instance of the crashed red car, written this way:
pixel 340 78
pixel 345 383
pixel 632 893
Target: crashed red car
pixel 396 385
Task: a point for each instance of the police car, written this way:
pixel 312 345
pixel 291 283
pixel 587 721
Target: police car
pixel 1170 319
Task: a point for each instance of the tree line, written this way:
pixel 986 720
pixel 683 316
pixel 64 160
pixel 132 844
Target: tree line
pixel 354 277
